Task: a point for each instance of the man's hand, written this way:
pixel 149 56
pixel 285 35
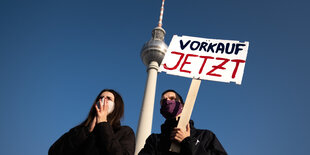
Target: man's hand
pixel 179 135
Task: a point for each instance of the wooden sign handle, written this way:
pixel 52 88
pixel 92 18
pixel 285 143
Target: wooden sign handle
pixel 187 110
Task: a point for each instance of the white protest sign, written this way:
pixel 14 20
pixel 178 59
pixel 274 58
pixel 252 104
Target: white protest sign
pixel 206 59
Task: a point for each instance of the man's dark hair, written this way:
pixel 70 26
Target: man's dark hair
pixel 178 96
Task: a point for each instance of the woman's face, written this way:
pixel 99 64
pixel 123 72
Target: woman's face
pixel 107 95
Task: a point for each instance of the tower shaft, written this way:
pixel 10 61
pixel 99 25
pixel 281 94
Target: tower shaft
pixel 146 113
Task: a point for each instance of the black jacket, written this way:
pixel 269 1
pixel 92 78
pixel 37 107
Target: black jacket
pixel 104 140
pixel 200 142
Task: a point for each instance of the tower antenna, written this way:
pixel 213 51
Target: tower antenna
pixel 160 22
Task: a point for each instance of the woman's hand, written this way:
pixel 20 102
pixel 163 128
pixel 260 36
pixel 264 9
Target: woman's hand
pixel 179 135
pixel 102 113
pixel 92 124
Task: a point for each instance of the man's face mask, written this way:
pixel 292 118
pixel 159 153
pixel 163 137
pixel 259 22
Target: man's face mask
pixel 170 108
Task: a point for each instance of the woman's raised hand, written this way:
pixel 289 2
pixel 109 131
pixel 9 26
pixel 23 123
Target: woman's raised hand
pixel 102 112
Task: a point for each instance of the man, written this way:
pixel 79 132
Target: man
pixel 192 141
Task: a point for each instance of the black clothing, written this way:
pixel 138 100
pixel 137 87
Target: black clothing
pixel 200 142
pixel 103 140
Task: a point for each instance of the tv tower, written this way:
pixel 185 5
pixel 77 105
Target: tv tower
pixel 152 54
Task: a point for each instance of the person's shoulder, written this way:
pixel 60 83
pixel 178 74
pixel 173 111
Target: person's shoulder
pixel 204 132
pixel 77 128
pixel 155 135
pixel 124 131
pixel 126 128
pixel 153 138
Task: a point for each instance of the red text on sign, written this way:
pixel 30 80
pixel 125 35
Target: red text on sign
pixel 220 66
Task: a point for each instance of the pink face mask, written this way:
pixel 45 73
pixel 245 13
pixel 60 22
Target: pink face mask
pixel 171 108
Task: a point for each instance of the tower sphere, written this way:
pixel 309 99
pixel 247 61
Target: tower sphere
pixel 154 49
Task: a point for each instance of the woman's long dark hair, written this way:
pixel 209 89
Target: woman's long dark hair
pixel 114 118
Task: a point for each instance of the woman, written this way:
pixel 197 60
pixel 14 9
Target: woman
pixel 101 132
pixel 192 141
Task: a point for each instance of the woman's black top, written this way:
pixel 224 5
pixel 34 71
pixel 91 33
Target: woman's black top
pixel 104 140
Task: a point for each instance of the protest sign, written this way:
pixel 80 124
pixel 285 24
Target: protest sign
pixel 206 59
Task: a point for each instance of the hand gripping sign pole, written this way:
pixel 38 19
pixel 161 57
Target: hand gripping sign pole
pixel 187 110
pixel 206 59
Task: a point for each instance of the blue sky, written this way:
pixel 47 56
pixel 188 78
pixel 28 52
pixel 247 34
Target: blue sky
pixel 56 56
